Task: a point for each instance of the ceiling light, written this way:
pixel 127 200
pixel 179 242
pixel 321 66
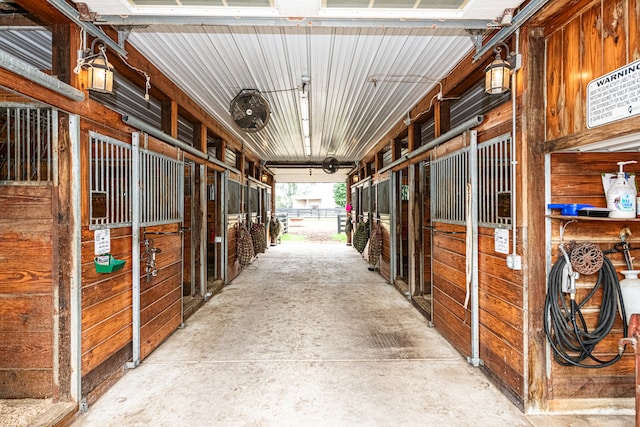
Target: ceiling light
pixel 304 115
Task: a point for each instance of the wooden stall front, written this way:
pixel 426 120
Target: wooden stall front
pixel 584 41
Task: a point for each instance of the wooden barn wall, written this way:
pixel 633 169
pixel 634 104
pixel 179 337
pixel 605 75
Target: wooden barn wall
pixel 107 298
pixel 385 257
pixel 188 235
pixel 449 289
pixel 594 41
pixel 501 291
pixel 426 232
pixel 232 247
pixel 161 296
pixel 26 292
pixel 576 178
pixel 584 42
pixel 500 299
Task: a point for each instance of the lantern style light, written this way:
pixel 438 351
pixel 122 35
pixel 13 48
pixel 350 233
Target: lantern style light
pixel 100 77
pixel 99 69
pixel 497 74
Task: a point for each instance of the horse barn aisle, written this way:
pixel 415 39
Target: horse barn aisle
pixel 306 335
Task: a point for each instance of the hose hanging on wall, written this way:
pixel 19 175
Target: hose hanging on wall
pixel 564 323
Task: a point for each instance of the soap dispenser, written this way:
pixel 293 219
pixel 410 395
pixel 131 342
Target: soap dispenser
pixel 621 196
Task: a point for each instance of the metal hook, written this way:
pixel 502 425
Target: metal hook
pixel 562 228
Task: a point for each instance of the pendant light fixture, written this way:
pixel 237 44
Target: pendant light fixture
pixel 99 69
pixel 497 74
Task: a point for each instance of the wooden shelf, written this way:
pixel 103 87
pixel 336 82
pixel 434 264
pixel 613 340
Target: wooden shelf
pixel 591 218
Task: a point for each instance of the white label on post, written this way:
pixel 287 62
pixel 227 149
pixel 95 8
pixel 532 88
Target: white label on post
pixel 102 240
pixel 501 241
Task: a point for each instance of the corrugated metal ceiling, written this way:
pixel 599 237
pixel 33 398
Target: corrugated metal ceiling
pixel 348 112
pixel 365 74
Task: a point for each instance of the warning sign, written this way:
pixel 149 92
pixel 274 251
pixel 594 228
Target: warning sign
pixel 614 96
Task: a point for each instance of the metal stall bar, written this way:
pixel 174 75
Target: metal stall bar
pixel 393 193
pixel 76 259
pixel 135 249
pixel 224 208
pixel 475 318
pixel 28 146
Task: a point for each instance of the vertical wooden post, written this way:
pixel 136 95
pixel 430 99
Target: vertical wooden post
pixel 200 137
pixel 348 191
pixel 415 217
pixel 442 118
pixel 379 160
pixel 169 117
pixel 223 150
pixel 532 214
pixel 63 61
pixel 412 137
pixel 396 149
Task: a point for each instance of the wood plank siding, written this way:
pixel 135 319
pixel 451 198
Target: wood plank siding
pixel 107 299
pixel 586 41
pixel 576 178
pixel 27 292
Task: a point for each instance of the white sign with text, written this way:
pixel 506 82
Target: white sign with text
pixel 614 96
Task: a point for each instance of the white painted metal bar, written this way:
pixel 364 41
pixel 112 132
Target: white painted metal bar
pixel 135 251
pixel 475 307
pixel 76 259
pixel 224 208
pixel 23 69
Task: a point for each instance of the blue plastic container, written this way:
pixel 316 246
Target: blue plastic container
pixel 569 209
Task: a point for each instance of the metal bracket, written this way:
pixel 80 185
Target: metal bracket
pixel 563 226
pixel 476 38
pixel 123 34
pixel 132 365
pixel 84 406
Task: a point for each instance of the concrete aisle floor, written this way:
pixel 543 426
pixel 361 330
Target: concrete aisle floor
pixel 307 336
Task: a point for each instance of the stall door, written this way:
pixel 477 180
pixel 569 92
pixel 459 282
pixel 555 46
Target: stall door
pixel 422 292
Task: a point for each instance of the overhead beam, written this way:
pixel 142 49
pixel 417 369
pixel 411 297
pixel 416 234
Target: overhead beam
pixel 304 165
pixel 137 20
pixel 518 20
pixel 73 14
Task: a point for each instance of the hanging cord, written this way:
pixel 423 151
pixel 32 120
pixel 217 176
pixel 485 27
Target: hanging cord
pixel 147 85
pixel 565 325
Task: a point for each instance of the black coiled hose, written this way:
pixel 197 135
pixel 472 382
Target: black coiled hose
pixel 565 325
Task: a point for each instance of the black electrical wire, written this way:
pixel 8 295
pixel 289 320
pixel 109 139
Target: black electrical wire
pixel 565 325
